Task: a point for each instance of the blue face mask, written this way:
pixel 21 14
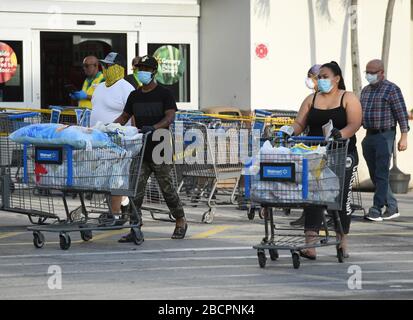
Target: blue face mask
pixel 324 85
pixel 145 77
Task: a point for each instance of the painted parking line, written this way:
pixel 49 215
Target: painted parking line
pixel 204 258
pixel 125 252
pixel 10 234
pixel 204 235
pixel 174 250
pixel 211 232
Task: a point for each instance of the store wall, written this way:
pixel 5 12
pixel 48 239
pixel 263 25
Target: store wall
pixel 298 34
pixel 296 40
pixel 225 53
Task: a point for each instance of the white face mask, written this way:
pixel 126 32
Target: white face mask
pixel 310 83
pixel 372 78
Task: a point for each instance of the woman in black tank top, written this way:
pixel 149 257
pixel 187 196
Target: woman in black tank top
pixel 344 109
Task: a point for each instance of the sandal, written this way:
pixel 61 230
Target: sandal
pixel 307 256
pixel 179 232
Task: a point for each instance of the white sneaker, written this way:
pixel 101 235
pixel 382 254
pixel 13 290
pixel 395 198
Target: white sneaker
pixel 391 214
pixel 374 214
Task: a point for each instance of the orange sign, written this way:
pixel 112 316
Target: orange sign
pixel 8 62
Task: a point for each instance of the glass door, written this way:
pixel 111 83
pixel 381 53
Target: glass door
pixel 61 58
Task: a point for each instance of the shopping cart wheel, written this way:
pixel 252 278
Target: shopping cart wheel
pixel 274 254
pixel 137 236
pixel 261 213
pixel 208 216
pixel 65 241
pixel 262 259
pixel 86 235
pixel 38 239
pixel 251 213
pixel 296 260
pixel 340 255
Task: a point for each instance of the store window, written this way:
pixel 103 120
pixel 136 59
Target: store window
pixel 62 55
pixel 174 68
pixel 11 71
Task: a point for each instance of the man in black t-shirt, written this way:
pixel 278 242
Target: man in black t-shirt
pixel 153 107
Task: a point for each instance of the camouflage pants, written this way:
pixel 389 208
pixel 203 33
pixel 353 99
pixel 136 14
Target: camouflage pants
pixel 164 178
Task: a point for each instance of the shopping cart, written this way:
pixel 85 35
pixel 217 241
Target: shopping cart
pixel 110 171
pixel 294 180
pixel 154 201
pixel 68 115
pixel 267 123
pixel 194 189
pixel 208 165
pixel 15 195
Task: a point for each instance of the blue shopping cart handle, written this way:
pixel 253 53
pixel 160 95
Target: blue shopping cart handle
pixel 308 138
pixel 22 115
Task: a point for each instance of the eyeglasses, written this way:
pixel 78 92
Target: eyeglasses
pixel 372 72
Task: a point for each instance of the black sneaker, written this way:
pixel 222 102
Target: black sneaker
pixel 299 222
pixel 391 214
pixel 374 214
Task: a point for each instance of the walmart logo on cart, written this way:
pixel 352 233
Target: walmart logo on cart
pixel 48 155
pixel 277 172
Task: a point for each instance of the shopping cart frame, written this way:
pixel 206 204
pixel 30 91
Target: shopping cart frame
pixel 88 224
pixel 294 242
pixel 15 196
pixel 210 175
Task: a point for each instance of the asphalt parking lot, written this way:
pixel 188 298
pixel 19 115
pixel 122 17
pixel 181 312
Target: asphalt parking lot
pixel 215 261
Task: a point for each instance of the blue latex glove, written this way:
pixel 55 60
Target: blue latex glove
pixel 79 95
pixel 146 129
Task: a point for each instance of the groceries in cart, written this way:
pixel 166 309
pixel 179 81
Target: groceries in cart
pixel 59 134
pixel 76 157
pixel 298 173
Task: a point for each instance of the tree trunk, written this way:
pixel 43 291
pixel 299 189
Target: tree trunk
pixel 386 52
pixel 313 39
pixel 355 58
pixel 387 34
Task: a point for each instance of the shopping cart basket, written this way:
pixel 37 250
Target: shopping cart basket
pixel 207 158
pixel 267 122
pixel 286 180
pixel 112 171
pixel 15 195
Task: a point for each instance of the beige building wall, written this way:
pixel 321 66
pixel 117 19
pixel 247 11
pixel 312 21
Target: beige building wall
pixel 299 33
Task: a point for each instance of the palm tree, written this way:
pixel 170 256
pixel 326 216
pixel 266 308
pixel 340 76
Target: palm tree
pixel 387 33
pixel 355 56
pixel 313 43
pixel 351 7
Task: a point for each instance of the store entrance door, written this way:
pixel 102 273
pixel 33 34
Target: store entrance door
pixel 62 54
